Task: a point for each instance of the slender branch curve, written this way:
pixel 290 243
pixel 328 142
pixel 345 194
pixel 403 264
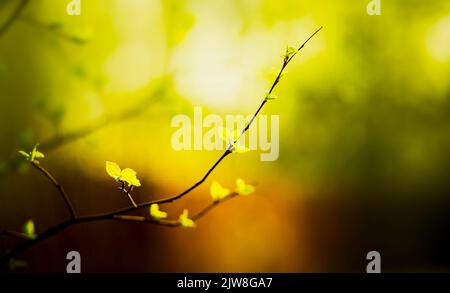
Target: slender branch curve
pixel 58 186
pixel 118 215
pixel 228 150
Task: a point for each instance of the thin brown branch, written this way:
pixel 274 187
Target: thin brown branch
pixel 58 186
pixel 127 192
pixel 131 199
pixel 163 200
pixel 15 234
pixel 118 214
pixel 228 150
pixel 22 246
pixel 275 82
pixel 13 17
pixel 174 223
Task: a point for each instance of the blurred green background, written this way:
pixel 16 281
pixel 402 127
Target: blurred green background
pixel 364 131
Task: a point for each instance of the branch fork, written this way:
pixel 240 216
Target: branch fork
pixel 121 214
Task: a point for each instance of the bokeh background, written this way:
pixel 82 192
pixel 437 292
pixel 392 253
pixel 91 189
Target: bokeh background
pixel 364 132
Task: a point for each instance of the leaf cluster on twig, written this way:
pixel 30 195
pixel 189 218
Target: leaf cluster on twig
pixel 127 179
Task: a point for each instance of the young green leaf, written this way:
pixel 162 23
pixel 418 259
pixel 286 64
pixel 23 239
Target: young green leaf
pixel 243 188
pixel 129 176
pixel 156 213
pixel 135 182
pixel 35 153
pixel 290 51
pixel 25 154
pixel 126 175
pixel 217 191
pixel 28 229
pixel 113 170
pixel 38 155
pixel 185 221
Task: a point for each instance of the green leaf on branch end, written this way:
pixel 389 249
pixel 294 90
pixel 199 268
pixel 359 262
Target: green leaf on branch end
pixel 185 221
pixel 126 175
pixel 290 52
pixel 33 155
pixel 156 213
pixel 270 97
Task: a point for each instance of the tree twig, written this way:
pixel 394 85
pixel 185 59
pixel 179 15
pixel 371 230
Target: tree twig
pixel 58 186
pixel 227 151
pixel 14 234
pixel 22 246
pixel 174 223
pixel 130 197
